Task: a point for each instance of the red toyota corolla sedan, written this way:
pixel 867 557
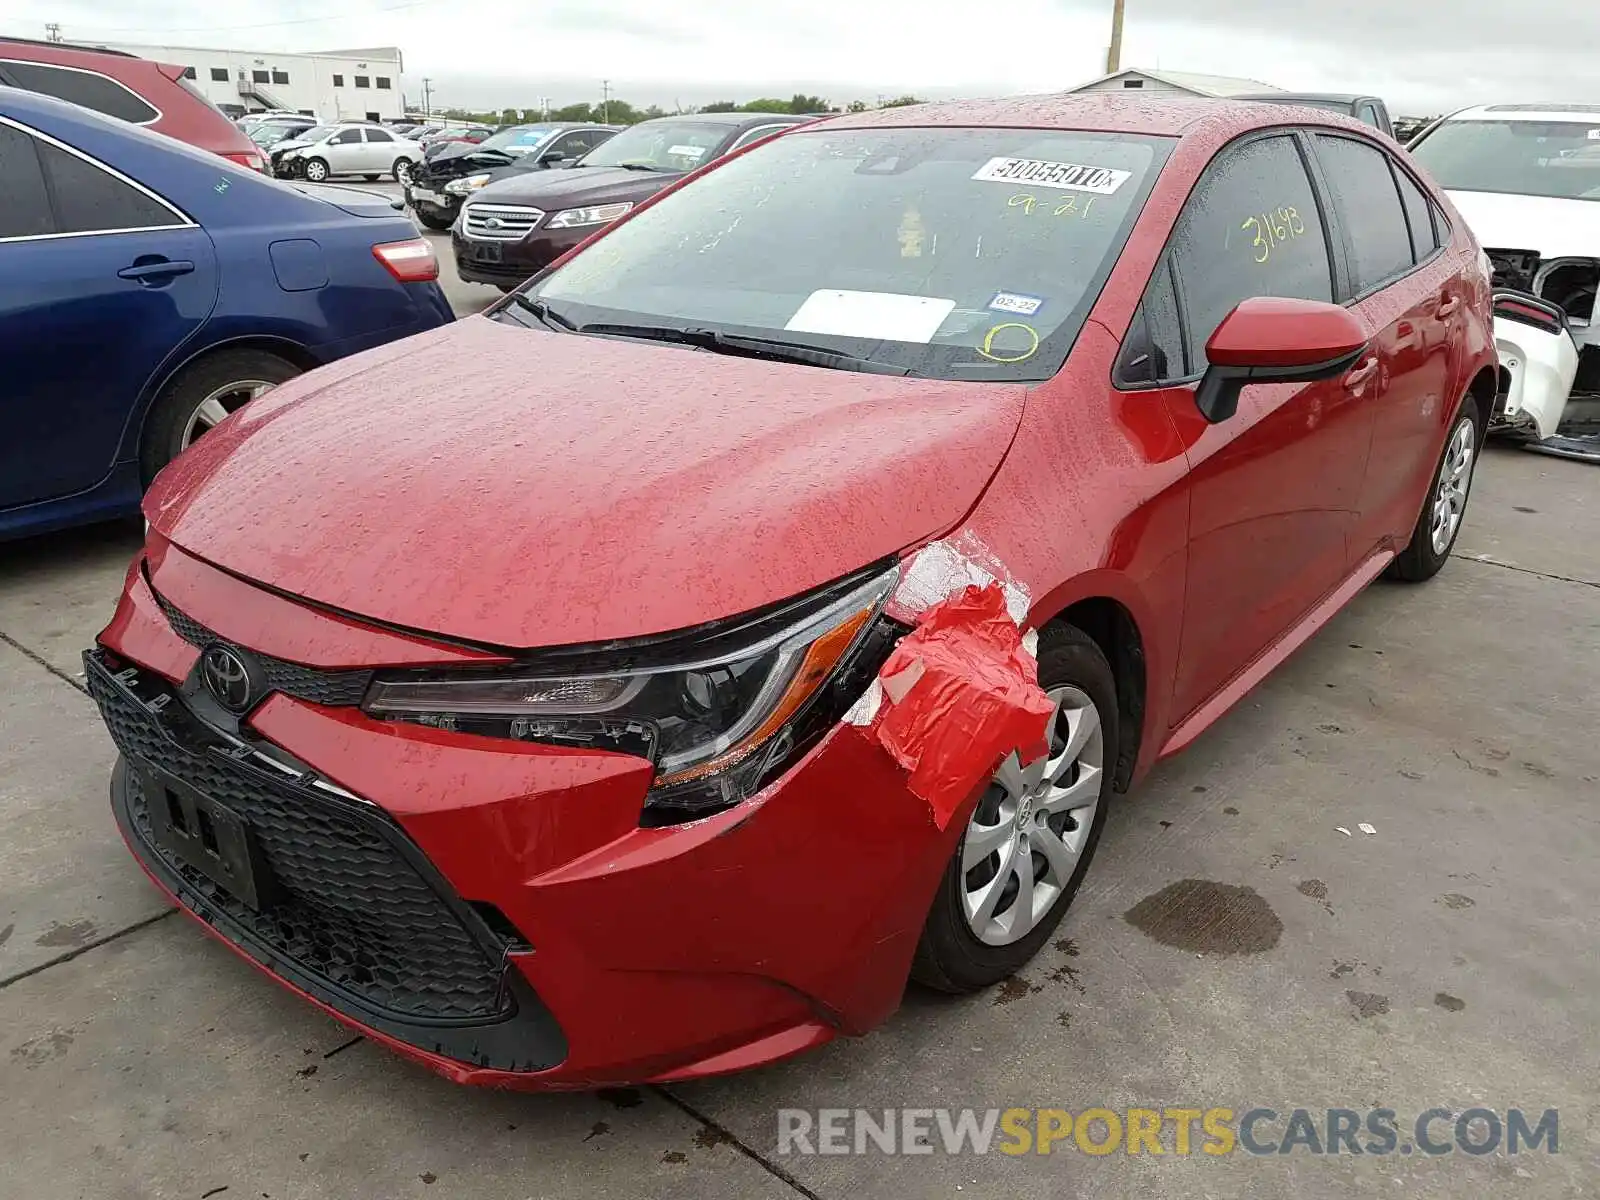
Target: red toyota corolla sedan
pixel 763 605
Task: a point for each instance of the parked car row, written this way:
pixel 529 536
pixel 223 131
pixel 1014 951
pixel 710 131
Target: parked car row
pixel 451 172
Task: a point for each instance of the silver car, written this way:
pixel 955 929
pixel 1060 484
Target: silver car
pixel 351 148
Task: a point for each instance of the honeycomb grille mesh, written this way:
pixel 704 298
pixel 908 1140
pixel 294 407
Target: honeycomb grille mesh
pixel 348 908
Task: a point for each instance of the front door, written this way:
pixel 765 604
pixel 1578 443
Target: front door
pixel 345 152
pixel 101 282
pixel 379 150
pixel 1275 489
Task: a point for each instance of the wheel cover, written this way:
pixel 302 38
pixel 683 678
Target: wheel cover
pixel 316 172
pixel 1027 835
pixel 217 407
pixel 1455 477
pixel 402 171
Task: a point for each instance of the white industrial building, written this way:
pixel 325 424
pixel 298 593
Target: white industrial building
pixel 1175 83
pixel 364 84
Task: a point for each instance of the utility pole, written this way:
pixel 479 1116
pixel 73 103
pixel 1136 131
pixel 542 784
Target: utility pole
pixel 1114 55
pixel 427 97
pixel 605 102
pixel 52 32
pixel 544 108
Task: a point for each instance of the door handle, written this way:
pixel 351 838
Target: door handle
pixel 1448 307
pixel 156 271
pixel 1359 374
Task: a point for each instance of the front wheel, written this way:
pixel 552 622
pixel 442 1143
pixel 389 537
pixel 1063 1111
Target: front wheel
pixel 1030 839
pixel 1434 535
pixel 437 223
pixel 401 171
pixel 316 170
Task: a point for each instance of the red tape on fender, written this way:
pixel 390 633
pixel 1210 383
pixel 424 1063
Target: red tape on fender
pixel 960 692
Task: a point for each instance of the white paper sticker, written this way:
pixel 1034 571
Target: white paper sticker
pixel 1072 177
pixel 884 315
pixel 687 151
pixel 1016 302
pixel 1594 135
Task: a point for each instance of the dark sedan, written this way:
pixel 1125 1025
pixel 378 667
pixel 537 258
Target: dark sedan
pixel 514 227
pixel 452 171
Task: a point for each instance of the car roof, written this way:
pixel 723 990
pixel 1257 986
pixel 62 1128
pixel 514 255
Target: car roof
pixel 1293 97
pixel 1573 113
pixel 73 46
pixel 732 119
pixel 1095 112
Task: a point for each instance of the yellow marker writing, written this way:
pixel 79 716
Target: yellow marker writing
pixel 987 349
pixel 1022 200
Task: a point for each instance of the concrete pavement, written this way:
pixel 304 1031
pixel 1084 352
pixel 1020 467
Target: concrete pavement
pixel 1444 960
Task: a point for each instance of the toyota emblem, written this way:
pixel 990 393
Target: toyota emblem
pixel 227 678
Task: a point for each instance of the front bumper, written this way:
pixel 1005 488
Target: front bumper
pixel 499 262
pixel 573 947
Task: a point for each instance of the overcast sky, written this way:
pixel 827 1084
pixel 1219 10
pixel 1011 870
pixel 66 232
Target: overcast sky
pixel 1421 55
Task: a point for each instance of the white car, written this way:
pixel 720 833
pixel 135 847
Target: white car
pixel 1527 179
pixel 352 148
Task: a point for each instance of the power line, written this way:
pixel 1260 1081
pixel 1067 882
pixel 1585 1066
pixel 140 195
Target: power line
pixel 264 24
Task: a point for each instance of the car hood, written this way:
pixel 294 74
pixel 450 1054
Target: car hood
pixel 576 185
pixel 519 488
pixel 1555 228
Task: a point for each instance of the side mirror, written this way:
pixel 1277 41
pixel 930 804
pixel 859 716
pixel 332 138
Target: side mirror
pixel 1273 339
pixel 554 156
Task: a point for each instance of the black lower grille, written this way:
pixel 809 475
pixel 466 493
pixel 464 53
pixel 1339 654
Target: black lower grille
pixel 351 908
pixel 313 684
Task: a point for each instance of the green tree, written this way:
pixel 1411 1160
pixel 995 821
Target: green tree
pixel 808 104
pixel 717 106
pixel 902 102
pixel 572 112
pixel 857 106
pixel 765 104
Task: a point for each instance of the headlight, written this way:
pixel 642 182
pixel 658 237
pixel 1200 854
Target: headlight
pixel 718 714
pixel 460 187
pixel 598 214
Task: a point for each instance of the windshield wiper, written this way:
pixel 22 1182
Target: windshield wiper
pixel 639 167
pixel 544 312
pixel 744 346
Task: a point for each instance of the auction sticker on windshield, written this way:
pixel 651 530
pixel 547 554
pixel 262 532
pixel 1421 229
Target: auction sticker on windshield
pixel 1074 177
pixel 687 151
pixel 885 315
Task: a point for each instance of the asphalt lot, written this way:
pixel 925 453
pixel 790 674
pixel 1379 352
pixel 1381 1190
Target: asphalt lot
pixel 1445 960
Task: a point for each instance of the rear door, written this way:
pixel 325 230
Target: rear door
pixel 1402 287
pixel 1274 490
pixel 101 282
pixel 379 150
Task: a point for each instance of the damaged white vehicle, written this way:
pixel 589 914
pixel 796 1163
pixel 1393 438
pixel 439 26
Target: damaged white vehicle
pixel 1527 179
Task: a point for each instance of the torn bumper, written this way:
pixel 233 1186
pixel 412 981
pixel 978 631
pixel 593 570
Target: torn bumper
pixel 1539 361
pixel 494 911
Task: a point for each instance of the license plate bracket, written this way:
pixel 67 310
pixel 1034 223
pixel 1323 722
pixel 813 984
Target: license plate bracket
pixel 487 252
pixel 208 836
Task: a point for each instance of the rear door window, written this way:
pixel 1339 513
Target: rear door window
pixel 1423 239
pixel 88 88
pixel 24 203
pixel 1250 228
pixel 1368 203
pixel 90 199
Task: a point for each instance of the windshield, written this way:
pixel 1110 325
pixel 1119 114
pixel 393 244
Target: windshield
pixel 269 134
pixel 518 140
pixel 949 253
pixel 315 134
pixel 659 146
pixel 1525 158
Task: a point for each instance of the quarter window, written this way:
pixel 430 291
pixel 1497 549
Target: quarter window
pixel 88 88
pixel 24 203
pixel 1423 241
pixel 1153 350
pixel 1251 228
pixel 89 199
pixel 1368 204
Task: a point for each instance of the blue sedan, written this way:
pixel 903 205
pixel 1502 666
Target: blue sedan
pixel 148 289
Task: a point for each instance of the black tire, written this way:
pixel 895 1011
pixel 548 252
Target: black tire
pixel 436 223
pixel 949 957
pixel 184 393
pixel 310 168
pixel 1419 561
pixel 401 170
